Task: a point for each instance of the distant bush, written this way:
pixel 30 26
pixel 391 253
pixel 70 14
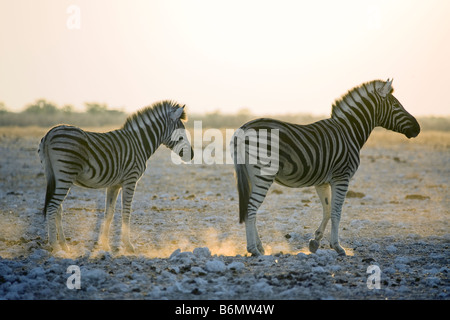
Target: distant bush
pixel 3 109
pixel 41 106
pixel 46 114
pixel 96 108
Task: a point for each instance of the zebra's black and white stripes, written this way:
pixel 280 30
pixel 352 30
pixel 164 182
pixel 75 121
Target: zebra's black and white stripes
pixel 324 154
pixel 114 160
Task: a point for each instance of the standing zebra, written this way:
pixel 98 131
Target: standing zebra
pixel 113 160
pixel 324 154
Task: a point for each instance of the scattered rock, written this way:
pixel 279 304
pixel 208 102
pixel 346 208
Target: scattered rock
pixel 198 270
pixel 391 249
pixel 215 266
pixel 368 260
pixel 318 269
pixel 203 252
pixel 407 239
pixel 262 288
pixel 174 254
pixel 236 265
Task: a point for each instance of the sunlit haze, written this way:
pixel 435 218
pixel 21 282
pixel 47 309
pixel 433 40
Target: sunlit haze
pixel 270 57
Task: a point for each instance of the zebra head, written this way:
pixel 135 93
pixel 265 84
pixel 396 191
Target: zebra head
pixel 393 116
pixel 176 138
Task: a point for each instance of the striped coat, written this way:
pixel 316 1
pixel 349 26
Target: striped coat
pixel 324 154
pixel 113 160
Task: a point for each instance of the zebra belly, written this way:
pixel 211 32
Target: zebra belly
pixel 293 181
pixel 87 181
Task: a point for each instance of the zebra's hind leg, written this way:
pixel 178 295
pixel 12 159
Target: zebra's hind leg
pixel 56 237
pixel 111 198
pixel 254 244
pixel 324 193
pixel 60 232
pixel 52 229
pixel 258 194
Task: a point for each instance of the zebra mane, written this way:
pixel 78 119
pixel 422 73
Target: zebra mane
pixel 156 110
pixel 345 102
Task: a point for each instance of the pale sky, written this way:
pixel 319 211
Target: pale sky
pixel 270 57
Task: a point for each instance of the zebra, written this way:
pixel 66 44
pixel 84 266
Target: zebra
pixel 114 160
pixel 324 154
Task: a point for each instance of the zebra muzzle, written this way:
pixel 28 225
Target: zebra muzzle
pixel 412 132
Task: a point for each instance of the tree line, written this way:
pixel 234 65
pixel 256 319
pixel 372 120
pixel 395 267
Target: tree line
pixel 42 106
pixel 43 113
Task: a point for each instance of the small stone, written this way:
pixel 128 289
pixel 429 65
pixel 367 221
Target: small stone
pixel 236 265
pixel 215 266
pixel 391 249
pixel 203 252
pixel 174 254
pixel 196 291
pixel 302 255
pixel 198 270
pixel 318 269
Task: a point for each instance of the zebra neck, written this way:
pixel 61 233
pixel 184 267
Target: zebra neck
pixel 146 137
pixel 356 126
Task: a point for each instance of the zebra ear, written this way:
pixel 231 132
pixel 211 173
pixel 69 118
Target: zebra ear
pixel 387 88
pixel 176 114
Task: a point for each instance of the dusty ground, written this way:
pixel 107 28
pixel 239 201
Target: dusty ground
pixel 396 217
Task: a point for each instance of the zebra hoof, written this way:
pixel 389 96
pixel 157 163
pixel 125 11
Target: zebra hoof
pixel 103 247
pixel 313 245
pixel 261 250
pixel 255 252
pixel 64 247
pixel 55 248
pixel 339 250
pixel 129 249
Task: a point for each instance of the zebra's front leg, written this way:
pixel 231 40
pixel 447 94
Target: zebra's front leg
pixel 111 198
pixel 127 198
pixel 324 193
pixel 338 192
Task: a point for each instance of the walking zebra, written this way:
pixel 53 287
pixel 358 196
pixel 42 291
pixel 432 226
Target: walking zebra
pixel 324 154
pixel 113 160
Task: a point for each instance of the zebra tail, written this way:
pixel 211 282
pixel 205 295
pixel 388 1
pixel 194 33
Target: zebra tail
pixel 243 186
pixel 49 174
pixel 243 183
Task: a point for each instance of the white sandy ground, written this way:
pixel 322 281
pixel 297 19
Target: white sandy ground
pixel 189 244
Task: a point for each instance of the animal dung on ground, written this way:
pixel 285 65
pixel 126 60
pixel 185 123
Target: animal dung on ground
pixel 416 197
pixel 353 194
